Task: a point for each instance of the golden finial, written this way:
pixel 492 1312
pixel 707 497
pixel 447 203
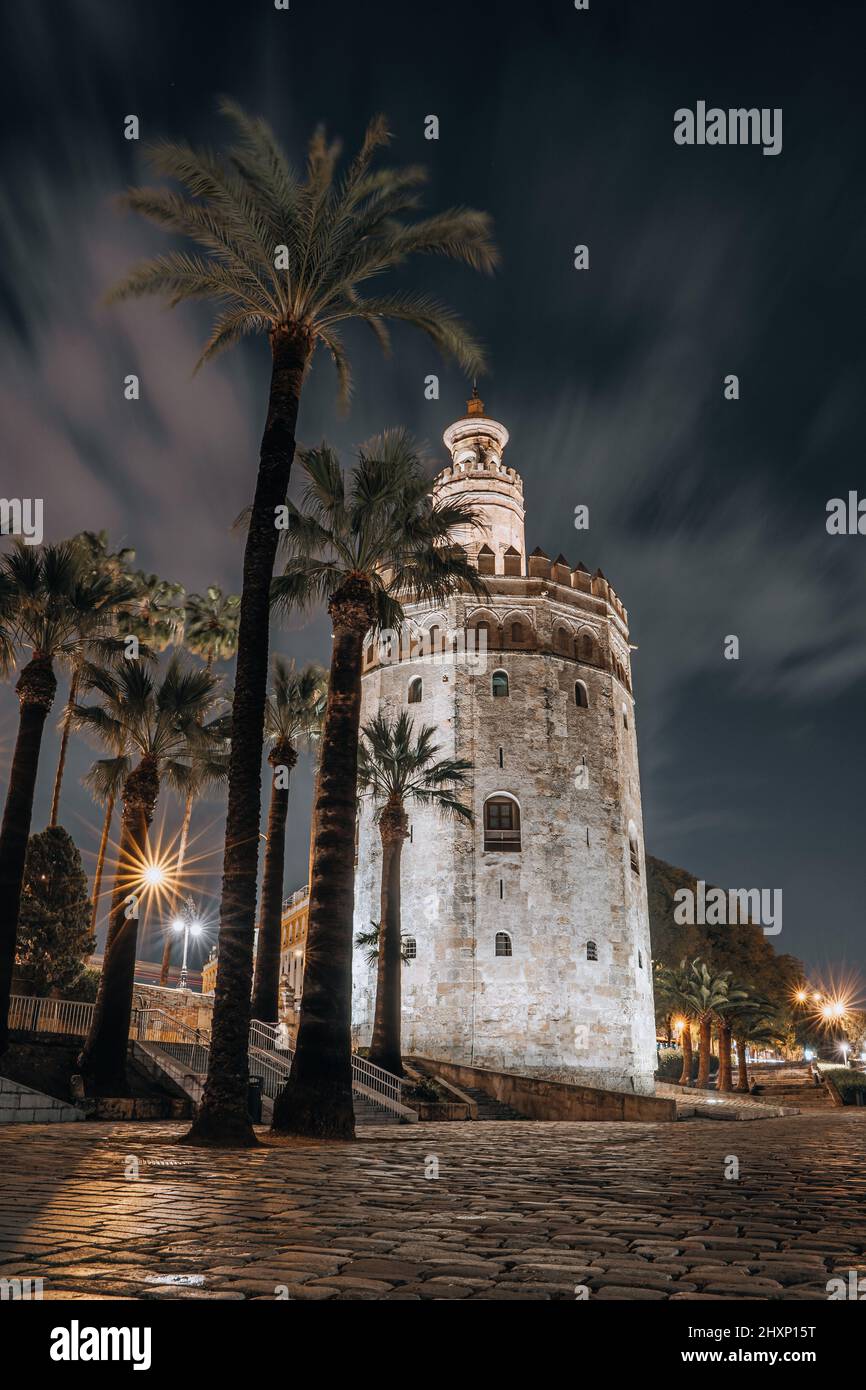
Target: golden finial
pixel 475 405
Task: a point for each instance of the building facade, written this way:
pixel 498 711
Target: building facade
pixel 527 930
pixel 293 942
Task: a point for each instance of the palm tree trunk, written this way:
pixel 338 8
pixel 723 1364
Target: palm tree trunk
pixel 266 989
pixel 742 1069
pixel 100 860
pixel 222 1118
pixel 167 945
pixel 64 743
pixel 704 1045
pixel 103 1057
pixel 36 689
pixel 724 1056
pixel 686 1073
pixel 317 1099
pixel 385 1048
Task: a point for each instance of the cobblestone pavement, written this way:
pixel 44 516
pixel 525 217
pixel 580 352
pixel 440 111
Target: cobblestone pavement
pixel 518 1211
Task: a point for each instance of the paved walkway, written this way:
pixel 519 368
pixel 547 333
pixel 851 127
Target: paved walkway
pixel 519 1211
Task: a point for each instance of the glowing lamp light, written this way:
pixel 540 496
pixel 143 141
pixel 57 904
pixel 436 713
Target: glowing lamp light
pixel 153 875
pixel 177 924
pixel 196 928
pixel 801 996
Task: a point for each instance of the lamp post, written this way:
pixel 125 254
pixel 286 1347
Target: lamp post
pixel 188 923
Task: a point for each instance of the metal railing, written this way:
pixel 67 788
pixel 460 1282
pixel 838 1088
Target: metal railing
pixel 184 1044
pixel 270 1052
pixel 38 1015
pixel 373 1083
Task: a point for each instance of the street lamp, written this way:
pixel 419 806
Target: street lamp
pixel 188 923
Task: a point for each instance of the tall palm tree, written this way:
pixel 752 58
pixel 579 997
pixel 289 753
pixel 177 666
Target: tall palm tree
pixel 56 609
pixel 97 559
pixel 287 256
pixel 293 716
pixel 159 722
pixel 396 767
pixel 210 630
pixel 707 993
pixel 365 545
pixel 105 781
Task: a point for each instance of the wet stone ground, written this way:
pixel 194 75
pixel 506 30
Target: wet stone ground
pixel 517 1211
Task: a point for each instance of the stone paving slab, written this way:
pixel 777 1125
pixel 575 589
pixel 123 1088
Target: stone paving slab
pixel 518 1211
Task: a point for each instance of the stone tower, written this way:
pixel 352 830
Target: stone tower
pixel 527 930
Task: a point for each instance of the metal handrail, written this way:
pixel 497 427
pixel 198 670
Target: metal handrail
pixel 36 1014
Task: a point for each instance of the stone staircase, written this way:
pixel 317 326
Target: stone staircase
pixel 487 1107
pixel 789 1083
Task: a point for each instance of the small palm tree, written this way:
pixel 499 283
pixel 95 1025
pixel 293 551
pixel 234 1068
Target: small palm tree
pixel 397 768
pixel 211 624
pixel 191 778
pixel 293 717
pixel 673 993
pixel 286 256
pixel 105 781
pixel 365 545
pixel 210 630
pixel 707 994
pixel 57 609
pixel 158 615
pixel 368 942
pixel 753 1019
pixel 97 560
pixel 726 1014
pixel 159 723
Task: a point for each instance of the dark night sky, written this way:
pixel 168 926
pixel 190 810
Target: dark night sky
pixel 707 516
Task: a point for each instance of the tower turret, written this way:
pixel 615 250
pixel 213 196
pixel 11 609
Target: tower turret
pixel 478 476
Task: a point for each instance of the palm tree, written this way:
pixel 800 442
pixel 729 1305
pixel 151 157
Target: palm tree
pixel 191 777
pixel 105 781
pixel 158 615
pixel 726 1015
pixel 368 942
pixel 210 628
pixel 211 624
pixel 293 715
pixel 673 993
pixel 160 724
pixel 286 256
pixel 365 545
pixel 97 559
pixel 57 609
pixel 396 767
pixel 707 993
pixel 753 1019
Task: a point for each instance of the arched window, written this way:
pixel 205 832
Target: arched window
pixel 586 648
pixel 502 944
pixel 561 639
pixel 433 640
pixel 410 948
pixel 591 951
pixel 581 698
pixel 502 823
pixel 517 632
pixel 633 850
pixel 416 690
pixel 499 684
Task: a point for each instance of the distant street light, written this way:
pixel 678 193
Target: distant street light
pixel 188 923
